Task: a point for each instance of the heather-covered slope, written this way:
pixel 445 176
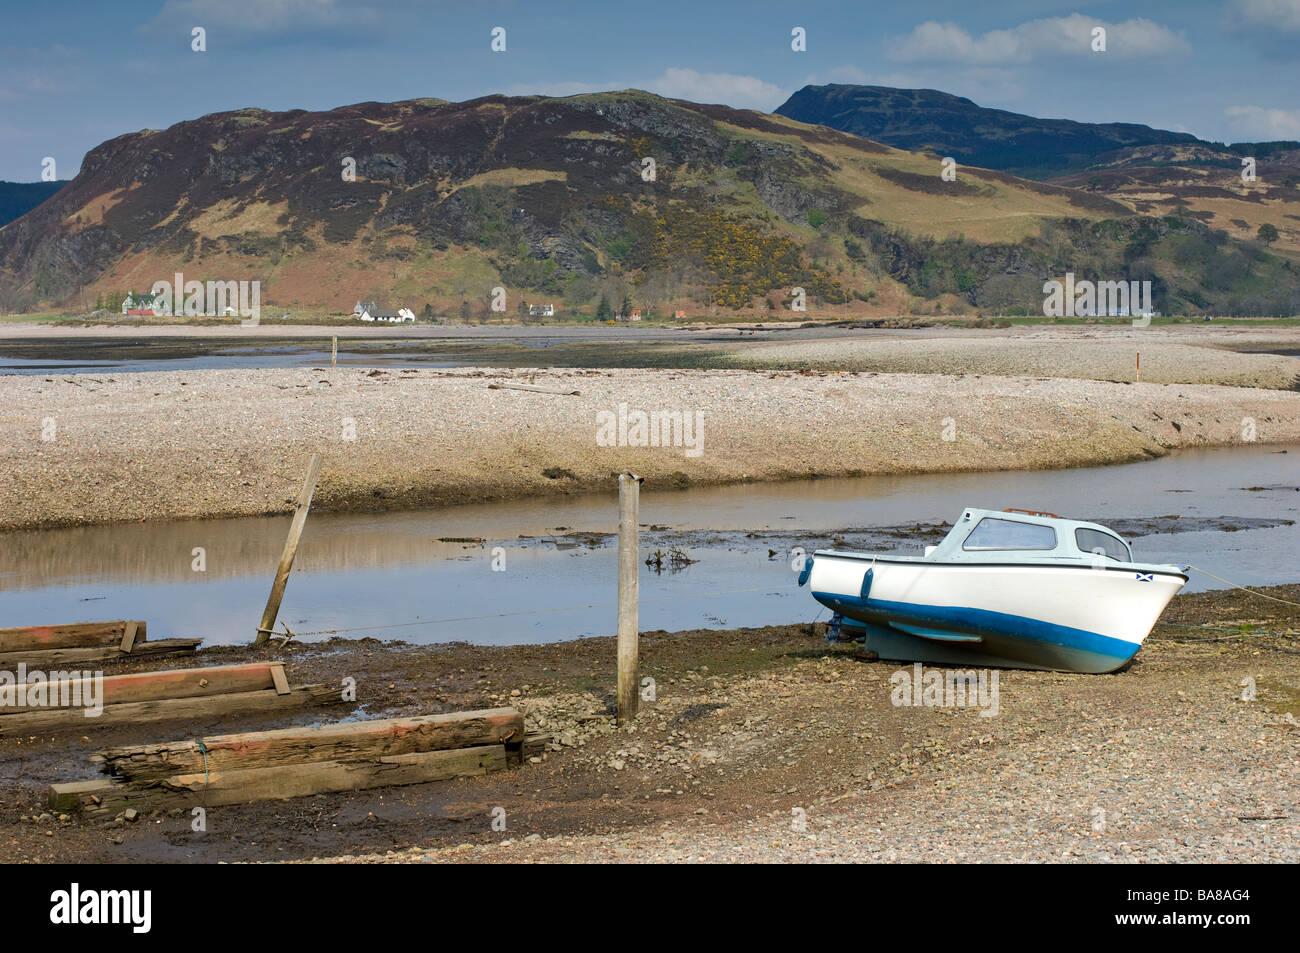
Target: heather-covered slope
pixel 1155 171
pixel 548 199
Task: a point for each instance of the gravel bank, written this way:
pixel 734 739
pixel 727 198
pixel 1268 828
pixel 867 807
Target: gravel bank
pixel 1165 762
pixel 1112 355
pixel 88 448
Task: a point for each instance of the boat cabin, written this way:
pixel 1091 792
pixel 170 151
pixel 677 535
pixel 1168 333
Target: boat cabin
pixel 1023 535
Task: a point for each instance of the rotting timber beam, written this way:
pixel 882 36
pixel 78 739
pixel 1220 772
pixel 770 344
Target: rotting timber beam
pixel 344 741
pixel 107 797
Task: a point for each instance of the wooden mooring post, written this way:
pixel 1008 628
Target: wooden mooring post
pixel 290 550
pixel 334 351
pixel 629 493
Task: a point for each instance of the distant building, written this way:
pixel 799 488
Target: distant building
pixel 369 311
pixel 142 304
pixel 400 316
pixel 541 310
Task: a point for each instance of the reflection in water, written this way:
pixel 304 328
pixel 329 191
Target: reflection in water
pixel 369 573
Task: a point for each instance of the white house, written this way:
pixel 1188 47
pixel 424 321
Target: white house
pixel 368 311
pixel 141 304
pixel 400 316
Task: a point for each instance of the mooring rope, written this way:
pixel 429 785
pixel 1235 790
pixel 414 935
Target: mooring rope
pixel 1235 634
pixel 1255 592
pixel 207 776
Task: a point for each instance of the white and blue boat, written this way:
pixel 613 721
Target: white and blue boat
pixel 1007 589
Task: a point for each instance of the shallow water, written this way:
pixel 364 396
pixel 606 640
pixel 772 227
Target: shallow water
pixel 425 346
pixel 77 358
pixel 1230 511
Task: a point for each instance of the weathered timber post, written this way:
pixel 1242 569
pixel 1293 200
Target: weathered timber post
pixel 290 550
pixel 334 351
pixel 629 493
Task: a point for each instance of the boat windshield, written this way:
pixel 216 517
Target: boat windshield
pixel 993 533
pixel 1103 544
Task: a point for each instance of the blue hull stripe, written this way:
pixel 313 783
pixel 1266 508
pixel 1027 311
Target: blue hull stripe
pixel 1006 634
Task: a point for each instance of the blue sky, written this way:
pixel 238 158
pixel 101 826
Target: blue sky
pixel 75 74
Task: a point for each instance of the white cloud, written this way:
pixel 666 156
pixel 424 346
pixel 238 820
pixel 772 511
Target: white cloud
pixel 743 92
pixel 1051 37
pixel 1273 14
pixel 261 16
pixel 1255 123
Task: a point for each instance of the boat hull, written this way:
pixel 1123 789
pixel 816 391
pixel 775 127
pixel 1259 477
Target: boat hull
pixel 1062 617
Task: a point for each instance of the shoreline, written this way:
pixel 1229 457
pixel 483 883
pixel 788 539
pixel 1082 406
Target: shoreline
pixel 748 724
pixel 101 448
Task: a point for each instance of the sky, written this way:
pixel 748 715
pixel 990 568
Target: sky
pixel 74 74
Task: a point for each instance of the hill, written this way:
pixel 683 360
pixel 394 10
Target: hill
pixel 546 198
pixel 921 119
pixel 1156 172
pixel 19 198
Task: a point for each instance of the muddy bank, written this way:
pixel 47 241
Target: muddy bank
pixel 102 448
pixel 748 725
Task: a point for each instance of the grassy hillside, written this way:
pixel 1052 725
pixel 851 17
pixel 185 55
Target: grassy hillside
pixel 1153 171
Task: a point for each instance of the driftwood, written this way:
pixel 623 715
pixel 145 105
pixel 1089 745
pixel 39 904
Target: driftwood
pixel 106 797
pixel 39 637
pixel 45 658
pixel 155 686
pixel 535 388
pixel 47 645
pixel 171 709
pixel 345 741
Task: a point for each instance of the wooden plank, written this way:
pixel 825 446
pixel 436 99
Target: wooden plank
pixel 47 658
pixel 128 637
pixel 228 704
pixel 279 682
pixel 536 389
pixel 152 686
pixel 532 744
pixel 290 550
pixel 107 797
pixel 39 637
pixel 344 741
